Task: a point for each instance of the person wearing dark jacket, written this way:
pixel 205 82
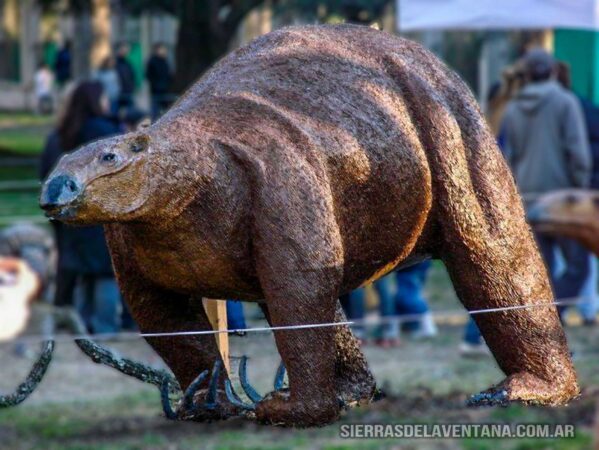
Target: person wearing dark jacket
pixel 126 75
pixel 83 257
pixel 590 302
pixel 547 147
pixel 158 73
pixel 62 64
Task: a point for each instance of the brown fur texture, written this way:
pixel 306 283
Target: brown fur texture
pixel 302 166
pixel 572 213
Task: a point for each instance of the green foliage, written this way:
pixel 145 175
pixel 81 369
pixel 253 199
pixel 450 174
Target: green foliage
pixel 17 142
pixel 18 203
pixel 22 119
pixel 22 204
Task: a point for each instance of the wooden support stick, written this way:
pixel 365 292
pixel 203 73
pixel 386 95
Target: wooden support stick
pixel 216 310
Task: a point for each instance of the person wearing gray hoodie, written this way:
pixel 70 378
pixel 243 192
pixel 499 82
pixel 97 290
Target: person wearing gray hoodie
pixel 546 145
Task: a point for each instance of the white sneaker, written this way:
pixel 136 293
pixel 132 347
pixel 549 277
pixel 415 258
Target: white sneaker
pixel 474 350
pixel 427 329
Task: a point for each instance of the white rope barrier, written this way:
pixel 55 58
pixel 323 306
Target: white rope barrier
pixel 357 322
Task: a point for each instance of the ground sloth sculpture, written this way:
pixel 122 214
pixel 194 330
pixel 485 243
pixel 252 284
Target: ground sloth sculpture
pixel 300 167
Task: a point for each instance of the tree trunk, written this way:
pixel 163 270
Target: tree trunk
pixel 101 32
pixel 82 44
pixel 198 47
pixel 206 28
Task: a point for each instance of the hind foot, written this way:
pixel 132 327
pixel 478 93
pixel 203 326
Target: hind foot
pixel 278 410
pixel 526 388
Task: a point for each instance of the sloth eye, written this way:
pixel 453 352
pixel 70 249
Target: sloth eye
pixel 108 157
pixel 140 143
pixel 137 147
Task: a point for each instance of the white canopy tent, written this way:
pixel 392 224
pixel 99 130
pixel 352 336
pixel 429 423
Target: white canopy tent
pixel 470 15
pixel 414 15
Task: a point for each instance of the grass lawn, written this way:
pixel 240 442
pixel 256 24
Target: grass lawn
pixel 20 142
pixel 133 421
pixel 18 202
pixel 20 205
pixel 23 133
pixel 23 119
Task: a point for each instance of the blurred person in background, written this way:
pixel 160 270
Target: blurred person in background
pixel 108 76
pixel 159 75
pixel 407 300
pixel 546 145
pixel 62 64
pixel 26 271
pixel 235 316
pixel 589 305
pixel 126 76
pixel 389 331
pixel 500 94
pixel 410 301
pixel 18 287
pixel 43 82
pixel 353 305
pixel 83 258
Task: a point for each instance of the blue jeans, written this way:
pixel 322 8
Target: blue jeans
pixel 100 304
pixel 235 317
pixel 385 289
pixel 408 298
pixel 569 281
pixel 588 307
pixel 472 334
pixel 353 306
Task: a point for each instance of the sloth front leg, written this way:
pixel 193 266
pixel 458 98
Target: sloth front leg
pixel 299 262
pixel 308 354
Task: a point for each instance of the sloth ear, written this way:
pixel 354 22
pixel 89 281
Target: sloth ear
pixel 140 143
pixel 143 124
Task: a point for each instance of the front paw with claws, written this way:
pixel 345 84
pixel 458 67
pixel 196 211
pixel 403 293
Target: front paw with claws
pixel 199 403
pixel 277 407
pixel 218 400
pixel 249 390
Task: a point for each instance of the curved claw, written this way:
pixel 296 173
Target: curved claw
pixel 169 412
pixel 33 379
pixel 192 389
pixel 279 377
pixel 234 399
pixel 247 387
pixel 490 398
pixel 142 372
pixel 212 387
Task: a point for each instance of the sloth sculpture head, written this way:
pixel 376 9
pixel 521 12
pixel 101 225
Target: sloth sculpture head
pixel 105 181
